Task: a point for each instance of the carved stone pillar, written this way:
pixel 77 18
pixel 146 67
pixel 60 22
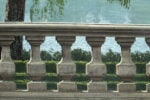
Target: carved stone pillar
pixel 36 67
pixel 126 69
pixel 148 67
pixel 96 69
pixel 66 68
pixel 7 66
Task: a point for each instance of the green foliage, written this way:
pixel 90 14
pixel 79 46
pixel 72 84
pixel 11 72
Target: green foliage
pixel 80 66
pixel 81 55
pixel 81 78
pixel 141 85
pixel 25 55
pixel 52 8
pixel 111 56
pixel 57 56
pixel 20 66
pixel 112 85
pixel 141 57
pixel 111 67
pixel 51 66
pixel 111 77
pixel 125 3
pixel 140 67
pixel 45 55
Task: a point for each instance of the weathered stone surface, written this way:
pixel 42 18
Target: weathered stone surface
pixel 66 70
pixel 72 96
pixel 148 87
pixel 97 87
pixel 36 70
pixel 148 69
pixel 35 67
pixel 66 67
pixel 65 86
pixel 126 69
pixel 96 69
pixel 7 66
pixel 7 70
pixel 36 86
pixel 7 86
pixel 126 87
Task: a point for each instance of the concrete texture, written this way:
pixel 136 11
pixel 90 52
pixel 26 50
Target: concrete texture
pixel 148 87
pixel 7 66
pixel 126 69
pixel 66 68
pixel 96 69
pixel 36 86
pixel 65 86
pixel 72 96
pixel 35 67
pixel 7 86
pixel 97 87
pixel 126 87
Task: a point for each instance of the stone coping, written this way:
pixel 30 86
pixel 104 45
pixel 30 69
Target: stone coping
pixel 74 29
pixel 72 96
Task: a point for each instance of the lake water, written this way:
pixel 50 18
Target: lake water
pixel 86 11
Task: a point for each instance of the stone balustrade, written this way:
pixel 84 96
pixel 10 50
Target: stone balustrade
pixel 65 35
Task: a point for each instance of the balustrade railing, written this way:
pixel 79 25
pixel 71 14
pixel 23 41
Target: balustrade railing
pixel 65 35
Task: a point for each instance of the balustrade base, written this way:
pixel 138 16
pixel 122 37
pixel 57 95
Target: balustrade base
pixel 72 96
pixel 126 71
pixel 148 87
pixel 36 70
pixel 7 70
pixel 36 86
pixel 126 87
pixel 96 71
pixel 97 87
pixel 66 86
pixel 66 69
pixel 7 86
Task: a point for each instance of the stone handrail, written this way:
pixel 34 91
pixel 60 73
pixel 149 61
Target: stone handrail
pixel 65 34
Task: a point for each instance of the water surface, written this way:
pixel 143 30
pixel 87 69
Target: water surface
pixel 86 11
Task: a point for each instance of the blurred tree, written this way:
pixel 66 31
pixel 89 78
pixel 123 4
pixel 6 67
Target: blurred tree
pixel 80 55
pixel 57 56
pixel 51 8
pixel 125 3
pixel 111 56
pixel 45 55
pixel 15 12
pixel 25 55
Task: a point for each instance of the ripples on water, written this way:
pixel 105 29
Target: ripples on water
pixel 91 11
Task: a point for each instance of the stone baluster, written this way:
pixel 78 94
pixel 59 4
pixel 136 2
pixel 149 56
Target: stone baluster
pixel 126 69
pixel 7 66
pixel 96 69
pixel 148 66
pixel 36 67
pixel 66 68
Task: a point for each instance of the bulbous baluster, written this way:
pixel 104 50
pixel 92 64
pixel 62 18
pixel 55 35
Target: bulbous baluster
pixel 126 69
pixel 96 69
pixel 36 67
pixel 66 68
pixel 7 66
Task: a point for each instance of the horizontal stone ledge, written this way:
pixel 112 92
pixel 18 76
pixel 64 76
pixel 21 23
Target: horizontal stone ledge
pixel 72 95
pixel 65 29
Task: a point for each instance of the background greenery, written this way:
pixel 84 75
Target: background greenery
pixel 82 55
pixel 80 78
